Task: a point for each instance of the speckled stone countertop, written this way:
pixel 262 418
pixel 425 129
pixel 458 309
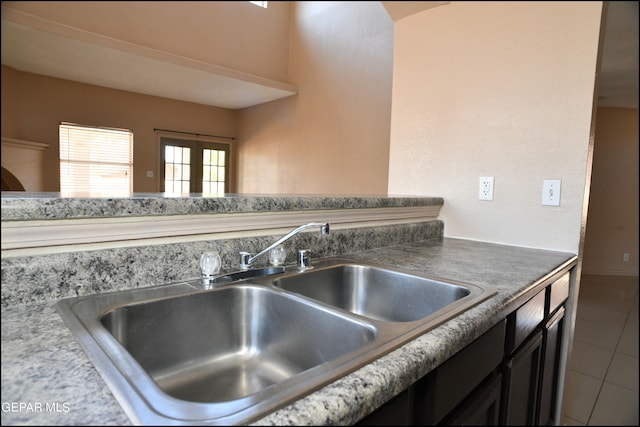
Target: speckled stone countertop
pixel 37 206
pixel 48 380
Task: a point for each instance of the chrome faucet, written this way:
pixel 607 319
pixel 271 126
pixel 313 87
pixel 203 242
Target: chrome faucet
pixel 246 259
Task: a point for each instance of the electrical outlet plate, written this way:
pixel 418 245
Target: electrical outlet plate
pixel 551 192
pixel 486 188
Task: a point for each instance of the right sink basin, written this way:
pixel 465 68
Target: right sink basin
pixel 376 292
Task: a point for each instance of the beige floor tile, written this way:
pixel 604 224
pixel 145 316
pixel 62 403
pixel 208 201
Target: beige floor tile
pixel 628 343
pixel 590 359
pixel 612 292
pixel 598 326
pixel 605 301
pixel 568 421
pixel 601 334
pixel 616 406
pixel 623 371
pixel 580 396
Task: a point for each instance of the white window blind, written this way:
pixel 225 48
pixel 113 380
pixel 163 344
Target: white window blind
pixel 95 161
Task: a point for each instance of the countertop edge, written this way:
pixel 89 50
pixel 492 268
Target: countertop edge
pixel 17 206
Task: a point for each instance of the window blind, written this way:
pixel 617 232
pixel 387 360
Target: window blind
pixel 95 161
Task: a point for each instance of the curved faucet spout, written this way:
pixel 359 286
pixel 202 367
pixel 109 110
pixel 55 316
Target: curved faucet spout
pixel 246 259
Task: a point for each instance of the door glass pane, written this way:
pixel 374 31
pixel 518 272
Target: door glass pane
pixel 177 169
pixel 213 176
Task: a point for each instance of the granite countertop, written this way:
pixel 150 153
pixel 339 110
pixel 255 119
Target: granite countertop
pixel 48 380
pixel 40 206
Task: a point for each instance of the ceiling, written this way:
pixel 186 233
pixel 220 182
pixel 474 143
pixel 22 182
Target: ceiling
pixel 56 50
pixel 60 51
pixel 618 86
pixel 399 9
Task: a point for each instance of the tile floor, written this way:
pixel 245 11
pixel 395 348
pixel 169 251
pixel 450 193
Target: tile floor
pixel 602 375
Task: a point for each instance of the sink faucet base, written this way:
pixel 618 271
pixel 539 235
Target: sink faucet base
pixel 246 259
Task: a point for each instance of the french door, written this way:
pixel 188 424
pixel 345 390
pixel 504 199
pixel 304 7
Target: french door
pixel 194 166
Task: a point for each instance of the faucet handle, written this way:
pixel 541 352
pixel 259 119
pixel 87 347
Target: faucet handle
pixel 304 258
pixel 210 264
pixel 277 256
pixel 244 260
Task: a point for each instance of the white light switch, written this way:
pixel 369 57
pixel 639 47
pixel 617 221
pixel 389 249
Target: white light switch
pixel 551 192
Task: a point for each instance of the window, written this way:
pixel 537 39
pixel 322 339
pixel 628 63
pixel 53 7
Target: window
pixel 95 161
pixel 199 165
pixel 260 3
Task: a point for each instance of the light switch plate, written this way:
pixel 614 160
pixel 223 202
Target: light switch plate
pixel 551 192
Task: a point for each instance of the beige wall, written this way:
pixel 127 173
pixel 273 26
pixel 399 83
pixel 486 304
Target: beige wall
pixel 333 136
pixel 502 89
pixel 231 34
pixel 612 225
pixel 235 35
pixel 10 102
pixel 42 103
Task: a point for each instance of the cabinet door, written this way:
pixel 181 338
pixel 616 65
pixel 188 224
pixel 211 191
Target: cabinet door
pixel 479 409
pixel 549 372
pixel 520 383
pixel 396 412
pixel 437 394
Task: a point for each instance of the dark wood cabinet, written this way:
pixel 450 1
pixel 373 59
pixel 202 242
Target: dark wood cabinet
pixel 532 357
pixel 520 383
pixel 508 376
pixel 396 412
pixel 444 389
pixel 547 406
pixel 481 408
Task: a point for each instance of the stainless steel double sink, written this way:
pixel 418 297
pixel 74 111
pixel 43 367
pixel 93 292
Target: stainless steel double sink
pixel 181 354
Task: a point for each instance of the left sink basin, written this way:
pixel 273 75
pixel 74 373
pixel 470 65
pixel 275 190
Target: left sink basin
pixel 225 345
pixel 218 356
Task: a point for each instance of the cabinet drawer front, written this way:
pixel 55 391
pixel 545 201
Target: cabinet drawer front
pixel 559 292
pixel 524 321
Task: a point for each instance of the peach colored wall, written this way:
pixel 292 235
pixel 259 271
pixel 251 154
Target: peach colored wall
pixel 612 225
pixel 44 102
pixel 502 89
pixel 232 34
pixel 10 102
pixel 333 136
